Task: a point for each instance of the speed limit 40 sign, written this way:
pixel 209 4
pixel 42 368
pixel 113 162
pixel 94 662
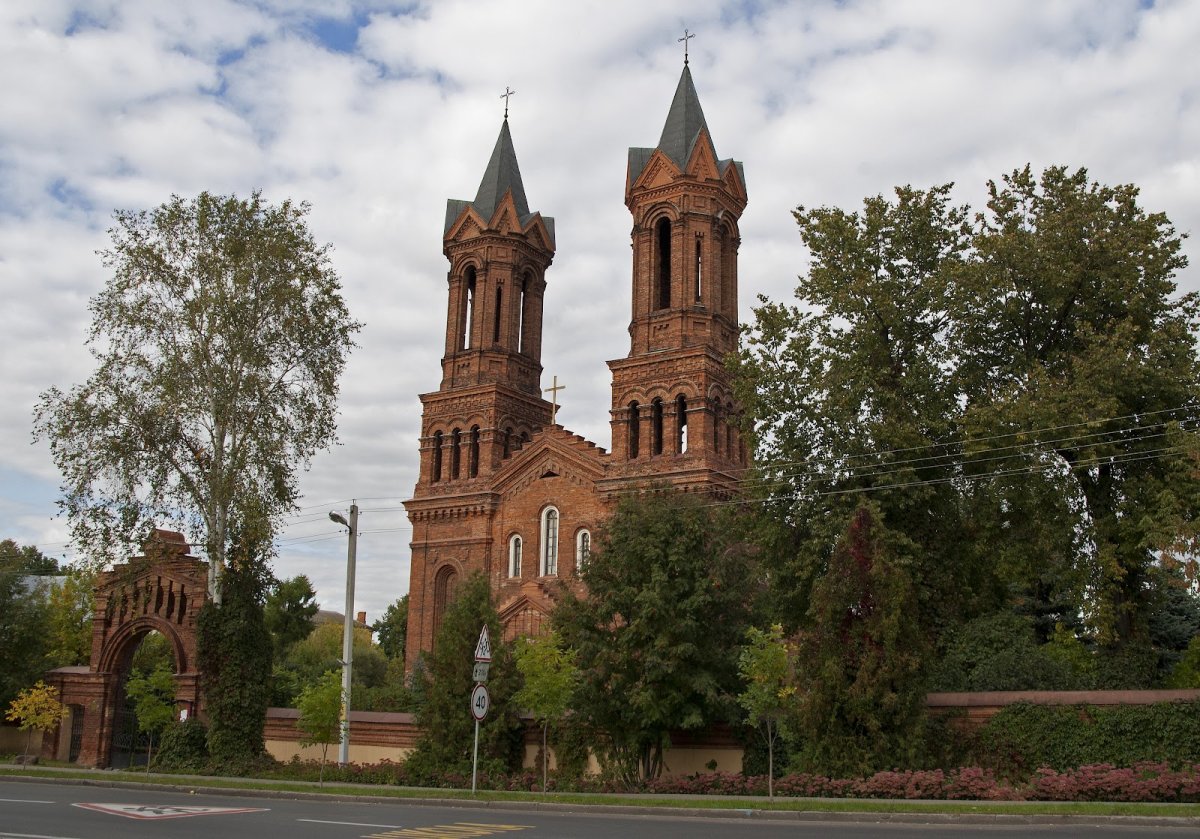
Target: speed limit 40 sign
pixel 480 702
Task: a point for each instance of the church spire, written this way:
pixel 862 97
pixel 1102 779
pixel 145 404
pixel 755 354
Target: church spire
pixel 502 175
pixel 684 123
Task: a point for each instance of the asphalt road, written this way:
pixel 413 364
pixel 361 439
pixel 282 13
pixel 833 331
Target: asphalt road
pixel 66 810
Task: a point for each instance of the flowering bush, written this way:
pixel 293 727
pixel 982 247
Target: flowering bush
pixel 1151 782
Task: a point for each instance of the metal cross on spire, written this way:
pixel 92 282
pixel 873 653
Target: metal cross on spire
pixel 687 36
pixel 553 391
pixel 507 93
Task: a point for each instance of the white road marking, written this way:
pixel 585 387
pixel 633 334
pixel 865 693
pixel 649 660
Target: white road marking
pixel 349 824
pixel 25 801
pixel 30 836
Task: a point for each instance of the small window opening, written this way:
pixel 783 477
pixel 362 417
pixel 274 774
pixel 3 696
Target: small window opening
pixel 635 429
pixel 656 427
pixel 437 456
pixel 455 454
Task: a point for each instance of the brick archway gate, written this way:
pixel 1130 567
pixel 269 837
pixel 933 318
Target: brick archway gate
pixel 162 590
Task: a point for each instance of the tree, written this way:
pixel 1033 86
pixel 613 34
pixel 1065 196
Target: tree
pixel 36 708
pixel 320 706
pixel 765 667
pixel 447 729
pixel 1074 343
pixel 24 617
pixel 234 651
pixel 860 689
pixel 851 395
pixel 219 343
pixel 392 629
pixel 69 635
pixel 153 696
pixel 549 677
pixel 289 612
pixel 306 660
pixel 669 592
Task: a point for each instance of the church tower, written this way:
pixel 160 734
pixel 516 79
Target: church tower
pixel 489 402
pixel 673 415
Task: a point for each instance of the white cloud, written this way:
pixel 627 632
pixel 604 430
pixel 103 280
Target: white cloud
pixel 120 104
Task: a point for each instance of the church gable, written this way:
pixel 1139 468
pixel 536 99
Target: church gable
pixel 468 225
pixel 703 162
pixel 659 171
pixel 553 453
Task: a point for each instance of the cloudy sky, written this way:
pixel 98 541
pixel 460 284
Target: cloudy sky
pixel 376 113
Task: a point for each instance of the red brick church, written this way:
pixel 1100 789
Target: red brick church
pixel 505 490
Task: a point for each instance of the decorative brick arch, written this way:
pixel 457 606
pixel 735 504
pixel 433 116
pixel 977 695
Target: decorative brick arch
pixel 162 590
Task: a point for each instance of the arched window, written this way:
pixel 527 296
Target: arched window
pixel 681 441
pixel 583 549
pixel 455 454
pixel 656 426
pixel 699 268
pixel 444 585
pixel 436 471
pixel 496 319
pixel 507 442
pixel 473 457
pixel 663 254
pixel 635 428
pixel 514 556
pixel 549 566
pixel 468 319
pixel 729 449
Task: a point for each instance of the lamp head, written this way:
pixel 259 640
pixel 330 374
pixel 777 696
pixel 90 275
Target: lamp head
pixel 339 518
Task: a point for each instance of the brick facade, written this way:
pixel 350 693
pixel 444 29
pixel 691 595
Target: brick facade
pixel 498 477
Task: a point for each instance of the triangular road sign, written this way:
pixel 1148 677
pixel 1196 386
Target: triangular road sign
pixel 166 811
pixel 483 650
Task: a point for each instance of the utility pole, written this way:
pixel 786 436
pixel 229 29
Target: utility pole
pixel 347 629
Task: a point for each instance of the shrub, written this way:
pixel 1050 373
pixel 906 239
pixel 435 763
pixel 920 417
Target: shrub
pixel 183 747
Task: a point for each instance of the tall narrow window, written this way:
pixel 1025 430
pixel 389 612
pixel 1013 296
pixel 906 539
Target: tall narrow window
pixel 583 549
pixel 507 442
pixel 663 235
pixel 656 427
pixel 455 454
pixel 473 457
pixel 716 422
pixel 729 450
pixel 469 302
pixel 549 542
pixel 635 429
pixel 514 556
pixel 680 424
pixel 436 471
pixel 523 292
pixel 496 319
pixel 699 269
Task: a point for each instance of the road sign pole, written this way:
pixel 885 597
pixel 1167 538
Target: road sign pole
pixel 475 758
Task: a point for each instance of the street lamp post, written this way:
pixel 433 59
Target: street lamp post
pixel 347 629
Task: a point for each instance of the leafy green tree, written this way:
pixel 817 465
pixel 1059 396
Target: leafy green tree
pixel 859 678
pixel 289 612
pixel 307 659
pixel 153 696
pixel 320 706
pixel 447 728
pixel 69 635
pixel 1000 651
pixel 234 651
pixel 36 709
pixel 669 594
pixel 1075 346
pixel 851 394
pixel 765 667
pixel 549 677
pixel 392 629
pixel 1186 673
pixel 219 343
pixel 24 616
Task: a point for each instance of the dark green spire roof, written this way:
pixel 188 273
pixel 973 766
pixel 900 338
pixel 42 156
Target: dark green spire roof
pixel 501 175
pixel 684 122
